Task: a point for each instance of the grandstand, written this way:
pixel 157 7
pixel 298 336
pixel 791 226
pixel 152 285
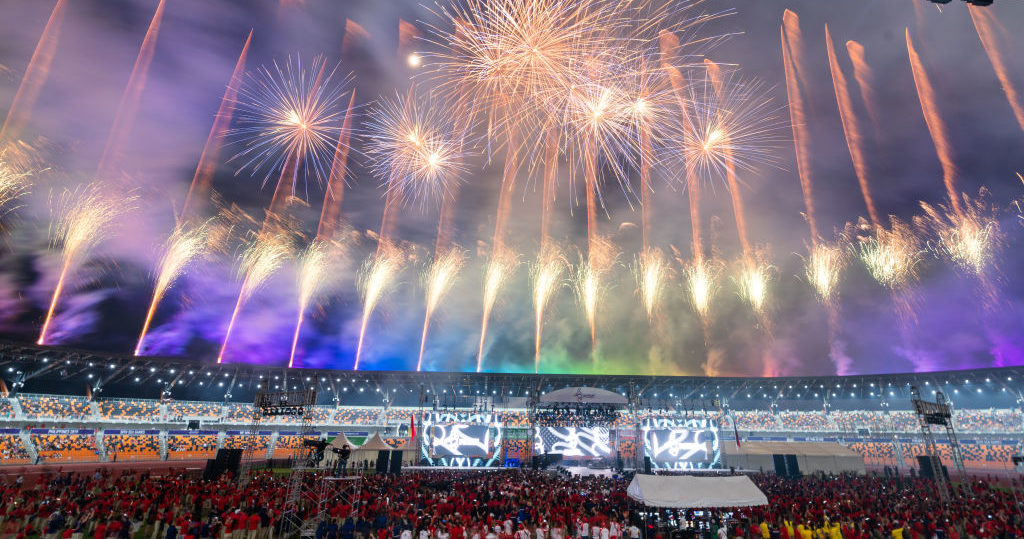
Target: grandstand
pixel 44 421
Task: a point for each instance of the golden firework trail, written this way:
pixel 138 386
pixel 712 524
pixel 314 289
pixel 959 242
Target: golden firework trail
pixel 862 74
pixel 376 278
pixel 82 219
pixel 259 261
pixel 547 279
pixel 439 278
pixel 651 273
pixel 936 127
pixel 851 129
pixel 719 136
pixel 589 283
pixel 314 267
pixel 986 24
pixel 822 270
pixel 186 244
pixel 792 60
pixel 36 74
pixel 500 267
pixel 128 109
pixel 202 180
pixel 891 255
pixel 330 214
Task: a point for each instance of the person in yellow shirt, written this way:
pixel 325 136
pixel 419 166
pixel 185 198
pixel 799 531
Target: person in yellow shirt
pixel 765 532
pixel 897 533
pixel 835 532
pixel 788 524
pixel 805 532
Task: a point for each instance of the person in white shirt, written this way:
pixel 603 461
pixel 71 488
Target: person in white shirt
pixel 406 534
pixel 586 530
pixel 634 532
pixel 613 530
pixel 508 526
pixel 492 535
pixel 604 533
pixel 522 533
pixel 424 534
pixel 442 534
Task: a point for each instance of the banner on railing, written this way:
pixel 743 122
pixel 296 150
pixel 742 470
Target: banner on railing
pixel 63 431
pixel 132 432
pixel 192 432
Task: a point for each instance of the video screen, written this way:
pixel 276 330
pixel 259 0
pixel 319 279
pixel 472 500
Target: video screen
pixel 681 448
pixel 573 441
pixel 457 440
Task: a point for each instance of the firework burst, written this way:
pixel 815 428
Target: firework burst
pixel 702 284
pixel 288 111
pixel 822 270
pixel 651 274
pixel 891 255
pixel 82 219
pixel 589 280
pixel 737 125
pixel 439 278
pixel 185 245
pixel 970 240
pixel 414 147
pixel 754 281
pixel 375 279
pixel 547 279
pixel 501 266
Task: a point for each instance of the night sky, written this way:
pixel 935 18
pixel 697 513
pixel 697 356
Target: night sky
pixel 198 44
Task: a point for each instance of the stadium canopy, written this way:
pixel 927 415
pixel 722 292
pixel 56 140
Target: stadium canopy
pixel 692 492
pixel 583 395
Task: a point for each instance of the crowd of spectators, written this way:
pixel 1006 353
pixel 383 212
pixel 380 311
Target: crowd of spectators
pixel 181 410
pixel 191 446
pixel 754 420
pixel 132 410
pixel 499 504
pixel 12 450
pixel 803 421
pixel 65 447
pixel 38 407
pixel 6 410
pixel 132 446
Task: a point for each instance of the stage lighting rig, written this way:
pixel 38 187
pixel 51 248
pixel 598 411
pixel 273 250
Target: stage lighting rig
pixel 973 2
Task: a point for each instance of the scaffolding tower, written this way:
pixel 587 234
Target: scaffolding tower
pixel 938 413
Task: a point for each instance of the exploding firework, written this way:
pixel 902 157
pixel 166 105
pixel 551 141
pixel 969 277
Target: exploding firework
pixel 186 244
pixel 82 219
pixel 414 147
pixel 753 283
pixel 13 185
pixel 375 280
pixel 501 266
pixel 891 255
pixel 547 279
pixel 822 270
pixel 438 278
pixel 971 240
pixel 259 261
pixel 737 126
pixel 651 273
pixel 702 284
pixel 312 276
pixel 290 111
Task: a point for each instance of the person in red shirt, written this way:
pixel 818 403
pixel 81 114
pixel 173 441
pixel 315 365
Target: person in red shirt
pixel 254 525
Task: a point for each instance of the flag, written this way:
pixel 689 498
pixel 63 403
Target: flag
pixel 736 432
pixel 412 426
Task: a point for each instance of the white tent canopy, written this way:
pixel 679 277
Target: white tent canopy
pixel 341 440
pixel 686 491
pixel 375 443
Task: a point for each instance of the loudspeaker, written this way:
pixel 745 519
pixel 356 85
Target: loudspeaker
pixel 647 465
pixel 382 461
pixel 792 466
pixel 780 465
pixel 212 471
pixel 396 462
pixel 229 460
pixel 924 464
pixel 193 424
pixel 618 464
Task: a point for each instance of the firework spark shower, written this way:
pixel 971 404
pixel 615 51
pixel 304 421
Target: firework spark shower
pixel 725 187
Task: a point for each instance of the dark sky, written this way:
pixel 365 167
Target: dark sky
pixel 198 45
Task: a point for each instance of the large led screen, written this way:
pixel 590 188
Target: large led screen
pixel 573 441
pixel 682 448
pixel 460 441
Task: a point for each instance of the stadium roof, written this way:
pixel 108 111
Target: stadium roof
pixel 50 369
